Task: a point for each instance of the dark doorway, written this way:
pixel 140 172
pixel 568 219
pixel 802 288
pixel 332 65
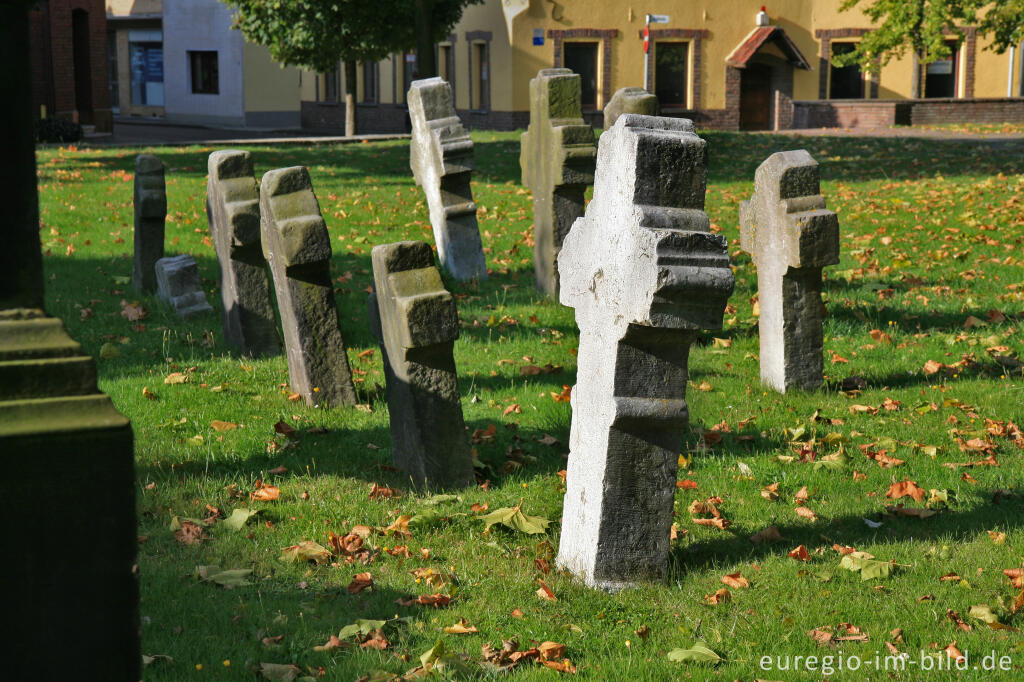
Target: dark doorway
pixel 670 73
pixel 941 76
pixel 755 97
pixel 582 59
pixel 82 67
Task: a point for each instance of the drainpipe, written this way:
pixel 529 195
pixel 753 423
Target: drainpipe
pixel 1009 75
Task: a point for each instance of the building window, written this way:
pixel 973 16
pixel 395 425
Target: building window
pixel 940 78
pixel 446 62
pixel 845 82
pixel 369 83
pixel 330 91
pixel 203 68
pixel 670 66
pixel 582 59
pixel 146 60
pixel 409 72
pixel 480 76
pixel 115 95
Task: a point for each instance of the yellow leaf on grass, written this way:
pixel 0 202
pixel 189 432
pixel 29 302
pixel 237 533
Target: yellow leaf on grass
pixel 218 425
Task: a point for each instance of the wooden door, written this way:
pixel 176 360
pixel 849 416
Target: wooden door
pixel 755 97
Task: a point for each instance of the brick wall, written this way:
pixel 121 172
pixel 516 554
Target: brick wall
pixel 881 113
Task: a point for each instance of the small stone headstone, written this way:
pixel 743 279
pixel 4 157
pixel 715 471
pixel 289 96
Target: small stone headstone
pixel 645 275
pixel 414 318
pixel 790 236
pixel 557 156
pixel 150 214
pixel 298 249
pixel 630 100
pixel 178 283
pixel 233 212
pixel 441 157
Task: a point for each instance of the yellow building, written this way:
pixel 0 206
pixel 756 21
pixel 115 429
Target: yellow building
pixel 722 63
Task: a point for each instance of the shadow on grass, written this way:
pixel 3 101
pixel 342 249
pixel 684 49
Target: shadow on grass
pixel 735 545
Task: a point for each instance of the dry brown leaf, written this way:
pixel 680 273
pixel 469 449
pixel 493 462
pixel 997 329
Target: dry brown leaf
pixel 544 592
pixel 379 492
pixel 265 493
pixel 906 489
pixel 218 425
pixel 799 553
pixel 461 628
pixel 735 580
pixel 360 581
pixel 721 596
pixel 769 534
pixel 806 513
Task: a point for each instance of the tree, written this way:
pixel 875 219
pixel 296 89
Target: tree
pixel 924 26
pixel 317 34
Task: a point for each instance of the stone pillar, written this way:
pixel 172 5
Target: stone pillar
pixel 645 275
pixel 790 236
pixel 441 157
pixel 74 608
pixel 630 100
pixel 298 249
pixel 150 214
pixel 414 318
pixel 178 283
pixel 557 155
pixel 233 212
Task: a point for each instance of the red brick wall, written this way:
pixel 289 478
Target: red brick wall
pixel 53 66
pixel 881 113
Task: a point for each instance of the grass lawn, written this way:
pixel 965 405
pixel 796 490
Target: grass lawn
pixel 930 290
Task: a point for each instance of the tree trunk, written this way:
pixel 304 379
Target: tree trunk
pixel 21 259
pixel 426 63
pixel 350 97
pixel 916 88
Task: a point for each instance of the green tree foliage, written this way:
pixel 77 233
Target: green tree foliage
pixel 317 34
pixel 924 26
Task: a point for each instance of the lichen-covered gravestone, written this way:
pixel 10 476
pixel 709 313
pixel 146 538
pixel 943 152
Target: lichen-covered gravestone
pixel 441 157
pixel 178 283
pixel 790 236
pixel 645 275
pixel 414 318
pixel 298 249
pixel 630 100
pixel 557 156
pixel 233 212
pixel 150 214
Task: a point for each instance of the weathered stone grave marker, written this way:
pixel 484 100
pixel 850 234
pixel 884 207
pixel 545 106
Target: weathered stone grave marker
pixel 645 275
pixel 150 214
pixel 441 157
pixel 630 100
pixel 65 449
pixel 557 156
pixel 298 249
pixel 233 212
pixel 178 283
pixel 414 318
pixel 791 236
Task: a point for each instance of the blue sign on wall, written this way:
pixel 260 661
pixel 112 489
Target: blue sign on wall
pixel 538 36
pixel 155 65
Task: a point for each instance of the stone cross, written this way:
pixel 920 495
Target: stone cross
pixel 441 157
pixel 791 236
pixel 298 249
pixel 150 214
pixel 557 155
pixel 178 283
pixel 233 212
pixel 631 100
pixel 414 318
pixel 645 275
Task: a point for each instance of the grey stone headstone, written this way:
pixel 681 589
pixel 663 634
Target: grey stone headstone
pixel 790 236
pixel 178 283
pixel 557 156
pixel 645 275
pixel 632 100
pixel 441 157
pixel 298 248
pixel 414 318
pixel 150 214
pixel 233 212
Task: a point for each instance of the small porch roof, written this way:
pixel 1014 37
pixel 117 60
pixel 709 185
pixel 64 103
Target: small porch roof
pixel 758 38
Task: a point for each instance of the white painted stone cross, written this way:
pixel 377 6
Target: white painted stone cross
pixel 791 236
pixel 557 154
pixel 298 248
pixel 150 200
pixel 441 157
pixel 233 213
pixel 645 275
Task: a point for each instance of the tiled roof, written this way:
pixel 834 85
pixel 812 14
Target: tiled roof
pixel 757 39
